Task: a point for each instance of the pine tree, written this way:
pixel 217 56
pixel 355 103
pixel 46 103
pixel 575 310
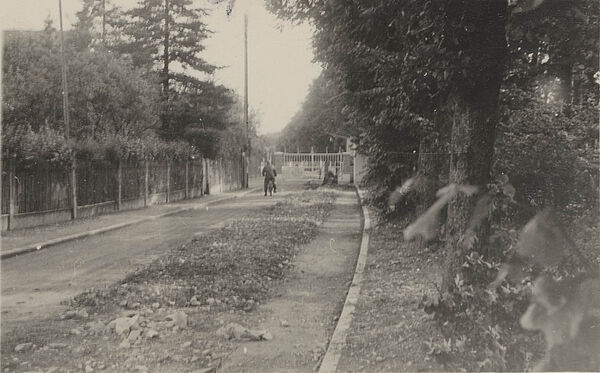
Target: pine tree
pixel 165 37
pixel 98 24
pixel 161 34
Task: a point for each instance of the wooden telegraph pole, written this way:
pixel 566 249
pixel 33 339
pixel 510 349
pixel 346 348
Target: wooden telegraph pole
pixel 246 159
pixel 65 96
pixel 65 93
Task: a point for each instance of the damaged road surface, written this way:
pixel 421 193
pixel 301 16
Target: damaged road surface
pixel 302 319
pixel 260 293
pixel 34 284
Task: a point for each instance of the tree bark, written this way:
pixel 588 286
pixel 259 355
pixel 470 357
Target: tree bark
pixel 432 165
pixel 474 111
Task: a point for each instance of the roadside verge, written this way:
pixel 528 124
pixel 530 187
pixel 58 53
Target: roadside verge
pixel 334 350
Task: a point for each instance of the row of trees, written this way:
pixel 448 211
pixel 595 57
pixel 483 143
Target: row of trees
pixel 494 94
pixel 316 124
pixel 138 86
pixel 439 79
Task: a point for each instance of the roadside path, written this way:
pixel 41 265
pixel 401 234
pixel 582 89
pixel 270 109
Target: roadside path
pixel 34 284
pixel 303 318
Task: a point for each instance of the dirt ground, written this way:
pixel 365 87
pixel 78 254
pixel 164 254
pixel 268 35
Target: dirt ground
pixel 303 317
pixel 35 284
pixel 389 332
pixel 300 317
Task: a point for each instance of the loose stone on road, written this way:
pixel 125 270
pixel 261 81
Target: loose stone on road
pixel 34 284
pixel 303 318
pixel 290 332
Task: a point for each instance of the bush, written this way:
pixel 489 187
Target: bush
pixel 550 157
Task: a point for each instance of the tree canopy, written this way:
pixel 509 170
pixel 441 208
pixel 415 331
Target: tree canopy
pixel 318 121
pixel 477 114
pixel 137 83
pixel 108 97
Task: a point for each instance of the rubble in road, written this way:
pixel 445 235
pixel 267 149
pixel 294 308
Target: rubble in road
pixel 185 310
pixel 238 332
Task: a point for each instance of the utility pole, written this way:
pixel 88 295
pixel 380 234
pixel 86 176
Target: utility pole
pixel 104 23
pixel 247 153
pixel 65 95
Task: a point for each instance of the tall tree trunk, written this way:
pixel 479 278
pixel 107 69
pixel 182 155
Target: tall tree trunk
pixel 432 164
pixel 428 170
pixel 474 112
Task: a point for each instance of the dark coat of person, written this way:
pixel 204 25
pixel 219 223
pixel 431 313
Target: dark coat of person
pixel 269 172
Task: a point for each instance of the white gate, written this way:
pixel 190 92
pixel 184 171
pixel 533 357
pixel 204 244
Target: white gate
pixel 314 165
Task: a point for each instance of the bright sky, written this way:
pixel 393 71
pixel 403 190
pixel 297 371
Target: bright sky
pixel 279 54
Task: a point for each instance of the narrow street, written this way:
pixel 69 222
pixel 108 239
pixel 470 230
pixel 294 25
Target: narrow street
pixel 35 284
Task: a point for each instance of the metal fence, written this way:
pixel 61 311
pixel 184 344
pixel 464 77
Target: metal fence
pixel 5 190
pixel 132 180
pixel 196 179
pixel 177 176
pixel 157 177
pixel 96 182
pixel 40 187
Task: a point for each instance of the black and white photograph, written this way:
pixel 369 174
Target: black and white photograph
pixel 249 186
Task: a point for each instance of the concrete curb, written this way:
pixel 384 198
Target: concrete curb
pixel 338 339
pixel 77 236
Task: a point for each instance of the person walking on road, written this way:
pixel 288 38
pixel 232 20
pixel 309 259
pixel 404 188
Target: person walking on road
pixel 269 173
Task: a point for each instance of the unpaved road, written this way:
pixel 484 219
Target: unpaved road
pixel 34 284
pixel 303 318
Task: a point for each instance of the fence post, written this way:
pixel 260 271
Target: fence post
pixel 221 176
pixel 11 193
pixel 205 179
pixel 146 167
pixel 202 188
pixel 73 183
pixel 119 184
pixel 312 159
pixel 187 176
pixel 168 180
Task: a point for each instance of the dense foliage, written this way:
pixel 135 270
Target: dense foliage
pixel 495 99
pixel 109 98
pixel 319 122
pixel 138 87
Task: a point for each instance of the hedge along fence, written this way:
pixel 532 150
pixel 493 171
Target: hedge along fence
pixel 43 189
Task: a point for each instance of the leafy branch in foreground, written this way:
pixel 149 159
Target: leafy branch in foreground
pixel 564 307
pixel 562 304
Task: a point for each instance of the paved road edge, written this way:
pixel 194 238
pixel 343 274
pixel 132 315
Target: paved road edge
pixel 46 244
pixel 338 339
